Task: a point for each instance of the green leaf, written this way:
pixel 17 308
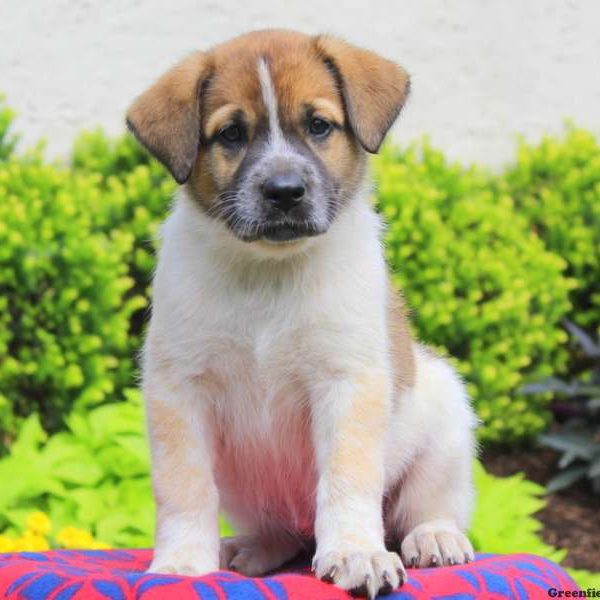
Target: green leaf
pixel 594 470
pixel 30 436
pixel 566 478
pixel 579 444
pixel 82 471
pixel 591 348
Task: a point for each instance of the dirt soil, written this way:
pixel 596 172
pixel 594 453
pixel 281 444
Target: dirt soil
pixel 571 518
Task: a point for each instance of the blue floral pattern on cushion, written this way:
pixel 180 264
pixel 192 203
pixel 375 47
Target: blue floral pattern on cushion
pixel 120 575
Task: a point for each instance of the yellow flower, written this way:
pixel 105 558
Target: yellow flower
pixel 74 538
pixel 100 546
pixel 38 522
pixel 6 544
pixel 32 542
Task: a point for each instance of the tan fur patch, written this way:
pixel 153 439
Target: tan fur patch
pixel 165 118
pixel 172 445
pixel 375 89
pixel 358 440
pixel 305 70
pixel 329 110
pixel 301 80
pixel 401 342
pixel 223 116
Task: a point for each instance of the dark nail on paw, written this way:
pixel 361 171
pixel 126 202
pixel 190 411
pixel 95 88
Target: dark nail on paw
pixel 386 588
pixel 414 561
pixel 434 561
pixel 329 577
pixel 361 591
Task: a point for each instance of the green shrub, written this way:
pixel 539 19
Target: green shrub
pixel 577 407
pixel 504 521
pixel 65 296
pixel 556 184
pixel 479 282
pixel 94 152
pixel 94 475
pixel 137 193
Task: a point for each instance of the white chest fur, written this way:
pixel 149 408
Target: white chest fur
pixel 261 336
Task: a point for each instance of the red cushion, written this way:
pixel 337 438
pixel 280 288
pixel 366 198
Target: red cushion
pixel 118 575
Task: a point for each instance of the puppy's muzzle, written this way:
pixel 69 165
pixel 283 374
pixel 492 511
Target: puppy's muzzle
pixel 285 196
pixel 285 191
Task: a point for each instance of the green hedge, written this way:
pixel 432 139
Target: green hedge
pixel 483 278
pixel 556 184
pixel 136 197
pixel 65 296
pixel 480 283
pixel 95 475
pixel 76 257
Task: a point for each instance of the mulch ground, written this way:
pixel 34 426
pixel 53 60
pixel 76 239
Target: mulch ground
pixel 571 518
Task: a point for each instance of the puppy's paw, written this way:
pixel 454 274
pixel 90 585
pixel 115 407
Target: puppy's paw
pixel 363 574
pixel 253 556
pixel 436 543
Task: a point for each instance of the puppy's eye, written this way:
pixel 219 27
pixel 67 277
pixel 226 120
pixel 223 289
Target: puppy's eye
pixel 319 127
pixel 232 134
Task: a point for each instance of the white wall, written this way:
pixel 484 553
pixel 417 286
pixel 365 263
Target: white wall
pixel 483 70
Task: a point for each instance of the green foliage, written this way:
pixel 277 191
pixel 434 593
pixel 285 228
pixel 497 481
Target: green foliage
pixel 504 520
pixel 94 474
pixel 479 282
pixel 95 152
pixel 578 439
pixel 585 579
pixel 556 184
pixel 65 296
pixel 136 196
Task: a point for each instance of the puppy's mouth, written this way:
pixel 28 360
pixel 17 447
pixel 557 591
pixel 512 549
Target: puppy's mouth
pixel 279 233
pixel 287 232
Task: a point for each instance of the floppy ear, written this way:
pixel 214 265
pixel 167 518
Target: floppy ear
pixel 166 117
pixel 374 89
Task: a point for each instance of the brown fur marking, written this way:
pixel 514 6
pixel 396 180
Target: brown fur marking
pixel 401 342
pixel 165 118
pixel 358 439
pixel 168 117
pixel 374 89
pixel 171 440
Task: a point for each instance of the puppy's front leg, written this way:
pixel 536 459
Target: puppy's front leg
pixel 187 534
pixel 349 425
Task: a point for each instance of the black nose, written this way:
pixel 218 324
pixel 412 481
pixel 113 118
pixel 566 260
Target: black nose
pixel 285 191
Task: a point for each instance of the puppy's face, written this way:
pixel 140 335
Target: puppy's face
pixel 269 130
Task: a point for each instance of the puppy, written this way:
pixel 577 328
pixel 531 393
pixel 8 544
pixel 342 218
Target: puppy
pixel 281 381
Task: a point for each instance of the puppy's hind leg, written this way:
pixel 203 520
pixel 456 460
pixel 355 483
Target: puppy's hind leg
pixel 433 506
pixel 256 554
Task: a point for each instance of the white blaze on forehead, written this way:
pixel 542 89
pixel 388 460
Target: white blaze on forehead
pixel 270 101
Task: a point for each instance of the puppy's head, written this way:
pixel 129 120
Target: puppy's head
pixel 269 130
